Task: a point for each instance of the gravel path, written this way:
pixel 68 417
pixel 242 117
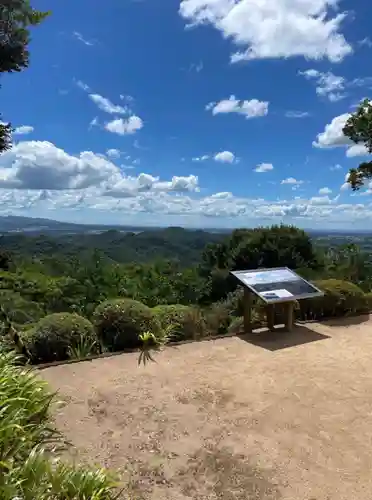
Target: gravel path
pixel 277 417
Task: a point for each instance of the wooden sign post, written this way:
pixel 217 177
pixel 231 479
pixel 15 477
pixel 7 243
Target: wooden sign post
pixel 270 316
pixel 289 316
pixel 247 310
pixel 274 286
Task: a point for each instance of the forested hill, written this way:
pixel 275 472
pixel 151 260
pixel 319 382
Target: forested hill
pixel 173 243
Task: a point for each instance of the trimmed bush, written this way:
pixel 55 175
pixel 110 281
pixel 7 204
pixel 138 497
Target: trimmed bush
pixel 368 298
pixel 341 298
pixel 119 323
pixel 52 338
pixel 188 321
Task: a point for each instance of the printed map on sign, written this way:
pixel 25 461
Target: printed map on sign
pixel 277 285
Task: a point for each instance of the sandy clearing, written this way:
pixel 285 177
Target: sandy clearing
pixel 277 416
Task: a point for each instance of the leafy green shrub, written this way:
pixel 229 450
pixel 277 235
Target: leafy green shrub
pixel 234 302
pixel 236 326
pixel 26 438
pixel 368 299
pixel 20 310
pixel 175 319
pixel 217 319
pixel 119 323
pixel 340 298
pixel 52 338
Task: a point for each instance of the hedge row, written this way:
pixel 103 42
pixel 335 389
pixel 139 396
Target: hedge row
pixel 117 324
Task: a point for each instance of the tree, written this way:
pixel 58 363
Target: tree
pixel 275 246
pixel 16 16
pixel 358 128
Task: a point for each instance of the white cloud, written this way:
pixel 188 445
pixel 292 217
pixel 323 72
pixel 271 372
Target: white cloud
pixel 197 67
pixel 327 84
pixel 200 158
pixel 82 85
pixel 23 130
pixel 297 114
pixel 94 123
pixel 107 106
pixel 345 186
pixel 320 200
pixel 113 153
pixel 325 191
pixel 357 150
pixel 122 126
pixel 334 87
pixel 250 109
pixel 41 166
pixel 291 180
pixel 333 137
pixel 365 42
pixel 224 157
pixel 264 167
pixel 81 39
pixel 274 28
pixel 335 167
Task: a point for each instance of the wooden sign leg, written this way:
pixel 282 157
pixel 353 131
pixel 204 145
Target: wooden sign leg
pixel 247 311
pixel 270 317
pixel 289 316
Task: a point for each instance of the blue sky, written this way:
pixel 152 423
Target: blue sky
pixel 207 113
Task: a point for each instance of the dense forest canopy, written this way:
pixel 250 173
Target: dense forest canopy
pixel 74 273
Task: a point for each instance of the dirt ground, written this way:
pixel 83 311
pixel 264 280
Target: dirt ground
pixel 277 416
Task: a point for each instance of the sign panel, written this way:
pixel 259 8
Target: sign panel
pixel 277 285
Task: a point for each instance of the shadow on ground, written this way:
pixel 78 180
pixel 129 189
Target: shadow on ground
pixel 348 321
pixel 282 339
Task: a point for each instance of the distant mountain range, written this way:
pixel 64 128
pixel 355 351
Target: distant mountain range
pixel 35 226
pixel 17 224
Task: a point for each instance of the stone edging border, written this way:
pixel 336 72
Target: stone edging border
pixel 43 366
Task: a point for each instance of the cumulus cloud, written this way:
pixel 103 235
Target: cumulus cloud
pixel 274 28
pixel 325 191
pixel 224 157
pixel 143 203
pixel 107 106
pixel 113 153
pixel 357 150
pixel 333 137
pixel 40 165
pixel 23 130
pixel 264 167
pixel 250 109
pixel 126 126
pixel 345 186
pixel 327 84
pixel 291 180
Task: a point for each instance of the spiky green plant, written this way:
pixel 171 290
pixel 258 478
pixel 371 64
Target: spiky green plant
pixel 28 440
pixel 84 348
pixel 150 343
